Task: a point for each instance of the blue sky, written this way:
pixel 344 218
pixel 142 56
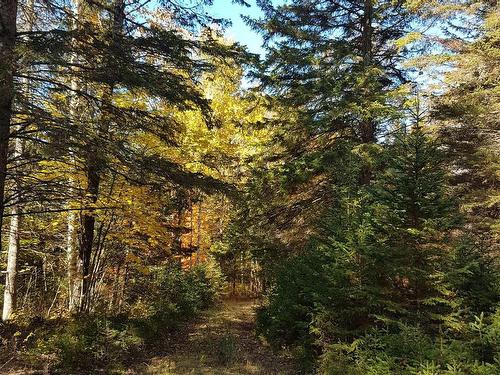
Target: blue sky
pixel 239 31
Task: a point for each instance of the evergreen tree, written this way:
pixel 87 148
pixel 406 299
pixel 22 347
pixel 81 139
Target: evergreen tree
pixel 333 69
pixel 414 216
pixel 335 62
pixel 469 125
pixel 380 257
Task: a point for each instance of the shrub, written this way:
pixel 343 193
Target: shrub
pixel 409 350
pixel 88 344
pixel 300 286
pixel 225 349
pixel 176 295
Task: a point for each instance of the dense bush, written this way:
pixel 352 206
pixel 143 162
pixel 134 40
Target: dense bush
pixel 85 344
pixel 310 308
pixel 89 343
pixel 176 295
pixel 301 285
pixel 409 350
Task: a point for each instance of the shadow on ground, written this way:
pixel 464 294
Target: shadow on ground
pixel 223 341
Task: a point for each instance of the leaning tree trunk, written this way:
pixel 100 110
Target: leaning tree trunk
pixel 8 24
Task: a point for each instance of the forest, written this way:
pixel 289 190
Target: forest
pixel 173 202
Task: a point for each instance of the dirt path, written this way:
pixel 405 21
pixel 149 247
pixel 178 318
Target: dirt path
pixel 223 341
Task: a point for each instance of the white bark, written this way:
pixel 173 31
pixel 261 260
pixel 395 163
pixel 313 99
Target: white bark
pixel 72 258
pixel 10 292
pixel 73 272
pixel 9 296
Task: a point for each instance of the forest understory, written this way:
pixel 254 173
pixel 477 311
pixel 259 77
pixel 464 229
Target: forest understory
pixel 221 340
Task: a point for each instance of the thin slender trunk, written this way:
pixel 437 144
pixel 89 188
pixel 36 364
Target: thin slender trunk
pixel 74 282
pixel 177 241
pixel 191 226
pixel 9 297
pixel 10 294
pixel 8 29
pixel 198 242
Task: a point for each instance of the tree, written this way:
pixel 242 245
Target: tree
pixel 415 214
pixel 16 158
pixel 333 70
pixel 329 61
pixel 467 117
pixel 8 30
pixel 84 62
pixel 378 260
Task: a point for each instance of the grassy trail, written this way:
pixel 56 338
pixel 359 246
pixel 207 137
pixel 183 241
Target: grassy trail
pixel 222 341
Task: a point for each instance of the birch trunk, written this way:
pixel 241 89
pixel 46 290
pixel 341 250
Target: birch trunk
pixel 9 296
pixel 72 257
pixel 10 293
pixel 74 282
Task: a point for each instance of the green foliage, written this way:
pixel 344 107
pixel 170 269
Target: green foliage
pixel 225 349
pixel 174 296
pixel 300 286
pixel 321 64
pixel 467 116
pixel 409 350
pixel 474 277
pixel 378 260
pixel 88 343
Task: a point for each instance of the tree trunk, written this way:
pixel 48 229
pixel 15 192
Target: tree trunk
pixel 198 242
pixel 8 28
pixel 10 292
pixel 9 298
pixel 367 32
pixel 88 226
pixel 368 126
pixel 95 162
pixel 74 281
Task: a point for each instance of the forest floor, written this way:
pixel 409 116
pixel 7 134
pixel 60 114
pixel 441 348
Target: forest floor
pixel 222 341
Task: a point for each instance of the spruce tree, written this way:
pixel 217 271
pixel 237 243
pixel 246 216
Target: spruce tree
pixel 335 62
pixel 414 214
pixel 468 121
pixel 332 69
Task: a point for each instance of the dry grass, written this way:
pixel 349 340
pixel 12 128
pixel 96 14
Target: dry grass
pixel 222 342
